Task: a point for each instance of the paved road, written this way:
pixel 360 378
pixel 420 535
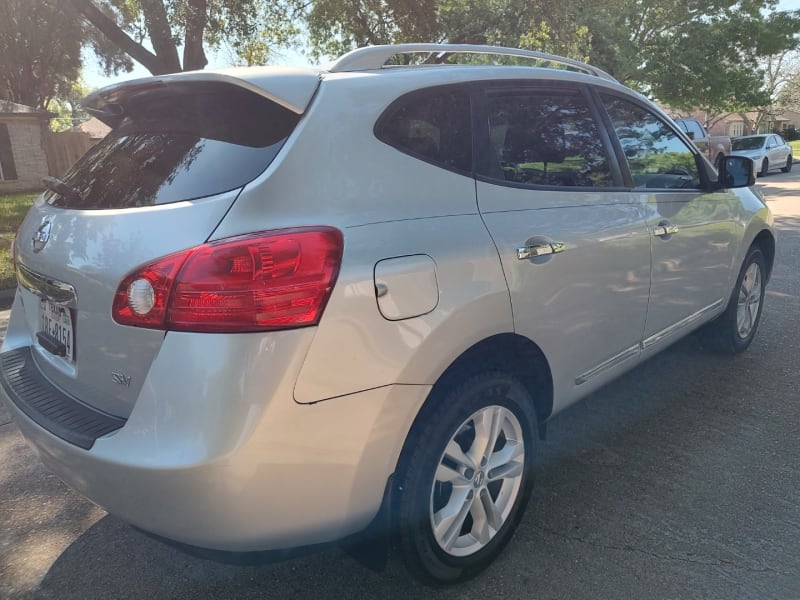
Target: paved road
pixel 681 480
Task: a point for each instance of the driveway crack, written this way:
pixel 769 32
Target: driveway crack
pixel 711 562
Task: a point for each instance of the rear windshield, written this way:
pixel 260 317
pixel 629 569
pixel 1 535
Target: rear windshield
pixel 750 143
pixel 174 145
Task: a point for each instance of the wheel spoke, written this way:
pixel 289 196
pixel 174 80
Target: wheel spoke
pixel 505 462
pixel 450 520
pixel 487 429
pixel 455 476
pixel 481 528
pixel 457 455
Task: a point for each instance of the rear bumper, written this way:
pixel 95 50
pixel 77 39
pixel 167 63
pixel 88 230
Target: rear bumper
pixel 217 453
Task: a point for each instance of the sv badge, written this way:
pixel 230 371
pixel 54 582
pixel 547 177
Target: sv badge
pixel 121 378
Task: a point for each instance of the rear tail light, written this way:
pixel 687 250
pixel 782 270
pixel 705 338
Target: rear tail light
pixel 256 282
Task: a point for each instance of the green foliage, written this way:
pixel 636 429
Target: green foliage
pixel 67 107
pixel 335 27
pixel 40 50
pixel 13 209
pixel 691 53
pixel 686 53
pixel 153 31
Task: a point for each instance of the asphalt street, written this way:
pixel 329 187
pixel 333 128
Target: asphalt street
pixel 679 480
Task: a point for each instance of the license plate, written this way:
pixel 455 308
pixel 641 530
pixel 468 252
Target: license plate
pixel 56 323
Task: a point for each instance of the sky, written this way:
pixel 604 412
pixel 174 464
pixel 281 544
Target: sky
pixel 94 77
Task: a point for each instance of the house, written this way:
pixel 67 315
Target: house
pixel 23 161
pixel 736 124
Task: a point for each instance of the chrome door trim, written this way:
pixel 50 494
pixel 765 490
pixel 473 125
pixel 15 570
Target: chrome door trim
pixel 607 364
pixel 668 331
pixel 545 249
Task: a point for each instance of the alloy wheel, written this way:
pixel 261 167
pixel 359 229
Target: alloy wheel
pixel 749 301
pixel 477 481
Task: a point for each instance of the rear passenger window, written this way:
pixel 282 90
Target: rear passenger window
pixel 431 125
pixel 546 138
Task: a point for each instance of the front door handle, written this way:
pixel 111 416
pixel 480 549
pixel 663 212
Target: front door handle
pixel 664 229
pixel 534 250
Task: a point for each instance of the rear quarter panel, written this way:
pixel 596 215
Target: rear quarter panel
pixel 334 171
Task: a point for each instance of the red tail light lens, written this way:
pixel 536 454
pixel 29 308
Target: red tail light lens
pixel 257 282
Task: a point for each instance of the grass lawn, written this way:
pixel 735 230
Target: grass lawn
pixel 795 147
pixel 13 208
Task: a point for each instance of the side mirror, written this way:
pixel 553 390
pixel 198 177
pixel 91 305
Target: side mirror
pixel 735 172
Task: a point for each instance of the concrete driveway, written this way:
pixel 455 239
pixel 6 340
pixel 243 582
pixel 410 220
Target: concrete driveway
pixel 680 480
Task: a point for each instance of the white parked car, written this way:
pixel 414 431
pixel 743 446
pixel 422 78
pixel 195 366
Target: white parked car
pixel 279 307
pixel 769 152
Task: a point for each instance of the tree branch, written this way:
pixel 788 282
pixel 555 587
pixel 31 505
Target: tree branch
pixel 111 30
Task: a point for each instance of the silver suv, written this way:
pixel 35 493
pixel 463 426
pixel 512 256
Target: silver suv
pixel 279 307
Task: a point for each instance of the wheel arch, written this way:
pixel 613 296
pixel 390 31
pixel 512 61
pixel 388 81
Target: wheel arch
pixel 508 352
pixel 765 241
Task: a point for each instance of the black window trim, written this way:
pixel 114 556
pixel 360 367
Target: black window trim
pixel 483 159
pixel 434 90
pixel 706 179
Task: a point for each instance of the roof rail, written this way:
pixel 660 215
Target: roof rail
pixel 375 57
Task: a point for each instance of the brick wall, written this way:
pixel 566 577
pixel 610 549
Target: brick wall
pixel 25 134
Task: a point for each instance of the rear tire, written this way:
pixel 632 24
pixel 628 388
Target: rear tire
pixel 788 166
pixel 463 487
pixel 734 330
pixel 764 168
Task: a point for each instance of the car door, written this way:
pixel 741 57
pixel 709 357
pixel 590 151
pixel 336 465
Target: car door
pixel 776 152
pixel 692 230
pixel 573 243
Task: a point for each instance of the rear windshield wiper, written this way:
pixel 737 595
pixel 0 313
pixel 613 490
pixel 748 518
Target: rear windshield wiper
pixel 58 186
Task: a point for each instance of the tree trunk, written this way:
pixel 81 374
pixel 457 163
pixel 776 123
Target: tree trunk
pixel 155 19
pixel 193 55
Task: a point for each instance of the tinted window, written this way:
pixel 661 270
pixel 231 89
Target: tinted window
pixel 8 170
pixel 693 128
pixel 434 126
pixel 171 147
pixel 656 156
pixel 748 143
pixel 546 138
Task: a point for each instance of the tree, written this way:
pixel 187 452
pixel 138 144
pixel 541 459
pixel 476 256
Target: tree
pixel 152 32
pixel 691 53
pixel 40 50
pixel 685 53
pixel 335 26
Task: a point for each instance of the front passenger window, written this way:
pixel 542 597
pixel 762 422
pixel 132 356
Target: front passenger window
pixel 656 156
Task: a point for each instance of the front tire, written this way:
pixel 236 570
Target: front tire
pixel 733 331
pixel 764 168
pixel 465 483
pixel 788 166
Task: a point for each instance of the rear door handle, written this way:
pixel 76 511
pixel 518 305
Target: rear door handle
pixel 664 229
pixel 534 250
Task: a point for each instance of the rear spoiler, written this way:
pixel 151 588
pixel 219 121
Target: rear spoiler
pixel 290 88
